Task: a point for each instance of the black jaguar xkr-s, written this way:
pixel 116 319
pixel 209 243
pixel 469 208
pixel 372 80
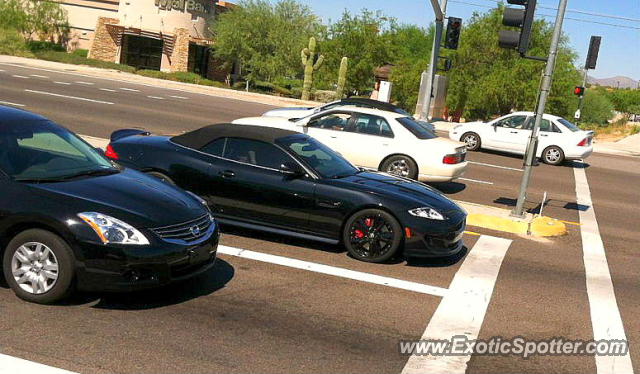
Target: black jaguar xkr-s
pixel 286 182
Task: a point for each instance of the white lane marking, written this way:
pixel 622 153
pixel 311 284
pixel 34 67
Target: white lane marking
pixel 15 365
pixel 179 97
pixel 462 310
pixel 475 181
pixel 65 83
pixel 70 97
pixel 332 270
pixel 156 97
pixel 19 76
pixel 38 76
pixel 107 90
pixel 10 103
pixel 493 166
pixel 605 315
pixel 129 89
pixel 85 83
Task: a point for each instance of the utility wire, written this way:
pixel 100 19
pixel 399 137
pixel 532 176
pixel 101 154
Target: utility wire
pixel 549 15
pixel 602 15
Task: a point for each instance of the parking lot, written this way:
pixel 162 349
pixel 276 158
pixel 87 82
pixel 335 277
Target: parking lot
pixel 275 304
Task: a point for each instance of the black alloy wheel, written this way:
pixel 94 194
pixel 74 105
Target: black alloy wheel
pixel 372 235
pixel 161 176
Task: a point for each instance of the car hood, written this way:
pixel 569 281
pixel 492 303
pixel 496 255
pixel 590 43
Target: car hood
pixel 292 112
pixel 133 197
pixel 414 194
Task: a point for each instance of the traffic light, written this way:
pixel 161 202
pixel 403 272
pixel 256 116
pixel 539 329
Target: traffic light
pixel 453 33
pixel 522 19
pixel 578 91
pixel 594 49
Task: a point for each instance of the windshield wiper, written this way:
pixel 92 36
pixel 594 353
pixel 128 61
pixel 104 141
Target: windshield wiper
pixel 92 173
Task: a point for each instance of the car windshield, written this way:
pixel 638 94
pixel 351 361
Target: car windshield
pixel 326 162
pixel 570 125
pixel 41 151
pixel 418 130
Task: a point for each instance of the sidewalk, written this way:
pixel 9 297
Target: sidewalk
pixel 139 79
pixel 629 146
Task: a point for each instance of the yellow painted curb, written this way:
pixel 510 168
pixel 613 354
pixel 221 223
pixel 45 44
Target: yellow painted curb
pixel 540 226
pixel 498 223
pixel 545 226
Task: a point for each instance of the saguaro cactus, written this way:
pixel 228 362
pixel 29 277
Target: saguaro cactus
pixel 342 78
pixel 310 65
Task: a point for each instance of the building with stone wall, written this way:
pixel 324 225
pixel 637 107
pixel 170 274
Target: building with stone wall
pixel 166 35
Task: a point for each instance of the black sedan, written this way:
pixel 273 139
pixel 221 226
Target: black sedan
pixel 289 183
pixel 71 218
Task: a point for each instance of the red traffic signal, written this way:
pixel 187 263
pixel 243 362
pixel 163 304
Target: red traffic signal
pixel 578 91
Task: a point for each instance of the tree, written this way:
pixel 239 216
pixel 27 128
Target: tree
pixel 364 40
pixel 487 80
pixel 32 18
pixel 596 108
pixel 265 38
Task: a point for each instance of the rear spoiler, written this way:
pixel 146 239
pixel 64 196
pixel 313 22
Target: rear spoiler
pixel 125 133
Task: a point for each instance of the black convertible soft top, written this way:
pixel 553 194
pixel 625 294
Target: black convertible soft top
pixel 199 138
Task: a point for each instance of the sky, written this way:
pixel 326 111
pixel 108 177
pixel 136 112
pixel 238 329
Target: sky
pixel 619 51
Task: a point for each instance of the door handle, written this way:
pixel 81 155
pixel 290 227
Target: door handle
pixel 544 135
pixel 227 174
pixel 333 137
pixel 514 132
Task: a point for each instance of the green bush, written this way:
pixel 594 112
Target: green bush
pixel 81 52
pixel 184 77
pixel 39 46
pixel 597 108
pixel 12 43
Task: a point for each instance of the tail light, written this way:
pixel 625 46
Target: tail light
pixel 111 153
pixel 453 159
pixel 585 142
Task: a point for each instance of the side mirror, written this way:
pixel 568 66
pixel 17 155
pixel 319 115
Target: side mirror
pixel 100 150
pixel 304 122
pixel 292 169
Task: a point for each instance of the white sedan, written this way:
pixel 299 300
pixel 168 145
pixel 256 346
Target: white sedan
pixel 301 112
pixel 559 139
pixel 380 140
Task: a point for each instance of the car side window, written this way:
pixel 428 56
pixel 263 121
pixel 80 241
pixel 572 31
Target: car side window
pixel 215 148
pixel 255 153
pixel 546 126
pixel 372 125
pixel 333 121
pixel 513 122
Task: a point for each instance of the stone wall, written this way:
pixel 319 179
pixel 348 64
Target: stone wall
pixel 180 55
pixel 105 44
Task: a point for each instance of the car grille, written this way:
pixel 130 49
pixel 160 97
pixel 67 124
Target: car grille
pixel 188 231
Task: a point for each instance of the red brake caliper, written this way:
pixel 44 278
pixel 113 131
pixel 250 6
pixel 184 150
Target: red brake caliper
pixel 368 222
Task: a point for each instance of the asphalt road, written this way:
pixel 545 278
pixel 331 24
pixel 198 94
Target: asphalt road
pixel 254 316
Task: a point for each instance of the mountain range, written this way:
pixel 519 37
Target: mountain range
pixel 615 82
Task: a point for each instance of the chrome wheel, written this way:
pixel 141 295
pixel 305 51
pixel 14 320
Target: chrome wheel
pixel 399 167
pixel 472 141
pixel 35 268
pixel 553 155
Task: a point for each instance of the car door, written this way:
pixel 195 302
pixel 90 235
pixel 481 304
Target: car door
pixel 367 138
pixel 328 128
pixel 509 134
pixel 255 190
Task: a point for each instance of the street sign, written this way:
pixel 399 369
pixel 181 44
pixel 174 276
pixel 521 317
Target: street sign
pixel 577 115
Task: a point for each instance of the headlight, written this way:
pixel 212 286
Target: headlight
pixel 112 230
pixel 428 213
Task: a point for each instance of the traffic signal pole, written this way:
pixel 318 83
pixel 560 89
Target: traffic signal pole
pixel 518 211
pixel 439 10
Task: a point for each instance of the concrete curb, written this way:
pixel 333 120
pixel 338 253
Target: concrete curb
pixel 117 75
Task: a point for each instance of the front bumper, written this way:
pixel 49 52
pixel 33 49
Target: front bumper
pixel 129 268
pixel 435 238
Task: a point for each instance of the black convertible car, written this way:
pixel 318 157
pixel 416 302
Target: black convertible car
pixel 286 182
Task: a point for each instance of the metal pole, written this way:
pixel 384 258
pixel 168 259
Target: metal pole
pixel 581 101
pixel 435 54
pixel 518 211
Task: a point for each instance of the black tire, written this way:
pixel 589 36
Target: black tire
pixel 162 177
pixel 471 140
pixel 553 155
pixel 400 165
pixel 363 228
pixel 62 286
